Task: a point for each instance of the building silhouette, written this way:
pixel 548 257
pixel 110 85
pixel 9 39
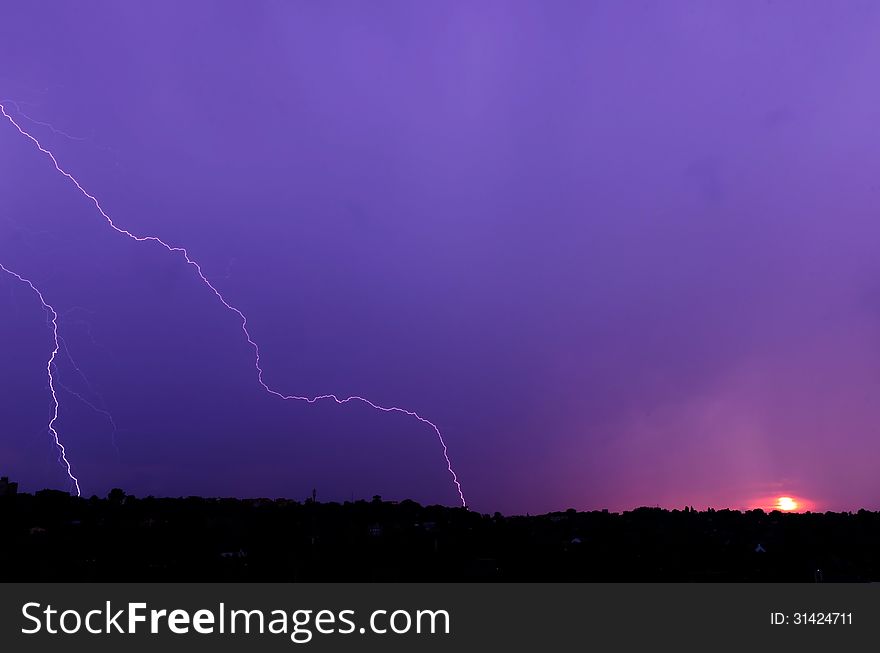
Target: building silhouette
pixel 7 487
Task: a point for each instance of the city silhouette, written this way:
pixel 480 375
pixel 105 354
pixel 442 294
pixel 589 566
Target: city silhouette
pixel 53 536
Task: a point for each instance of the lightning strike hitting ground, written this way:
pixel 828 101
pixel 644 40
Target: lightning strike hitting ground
pixel 62 453
pixel 241 316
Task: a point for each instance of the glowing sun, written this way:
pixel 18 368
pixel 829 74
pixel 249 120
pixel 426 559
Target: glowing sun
pixel 786 504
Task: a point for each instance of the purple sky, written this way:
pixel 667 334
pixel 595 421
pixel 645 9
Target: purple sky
pixel 621 253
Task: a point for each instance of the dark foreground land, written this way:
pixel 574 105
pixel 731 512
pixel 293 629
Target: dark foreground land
pixel 51 536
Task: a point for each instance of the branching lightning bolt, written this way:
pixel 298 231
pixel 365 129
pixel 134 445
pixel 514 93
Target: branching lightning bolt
pixel 98 409
pixel 49 365
pixel 49 126
pixel 241 316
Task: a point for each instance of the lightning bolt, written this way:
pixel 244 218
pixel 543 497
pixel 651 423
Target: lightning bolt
pixel 241 316
pixel 49 365
pixel 101 411
pixel 49 126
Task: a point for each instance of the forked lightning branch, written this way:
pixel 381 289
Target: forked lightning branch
pixel 239 314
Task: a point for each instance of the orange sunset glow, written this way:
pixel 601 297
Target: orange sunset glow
pixel 784 503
